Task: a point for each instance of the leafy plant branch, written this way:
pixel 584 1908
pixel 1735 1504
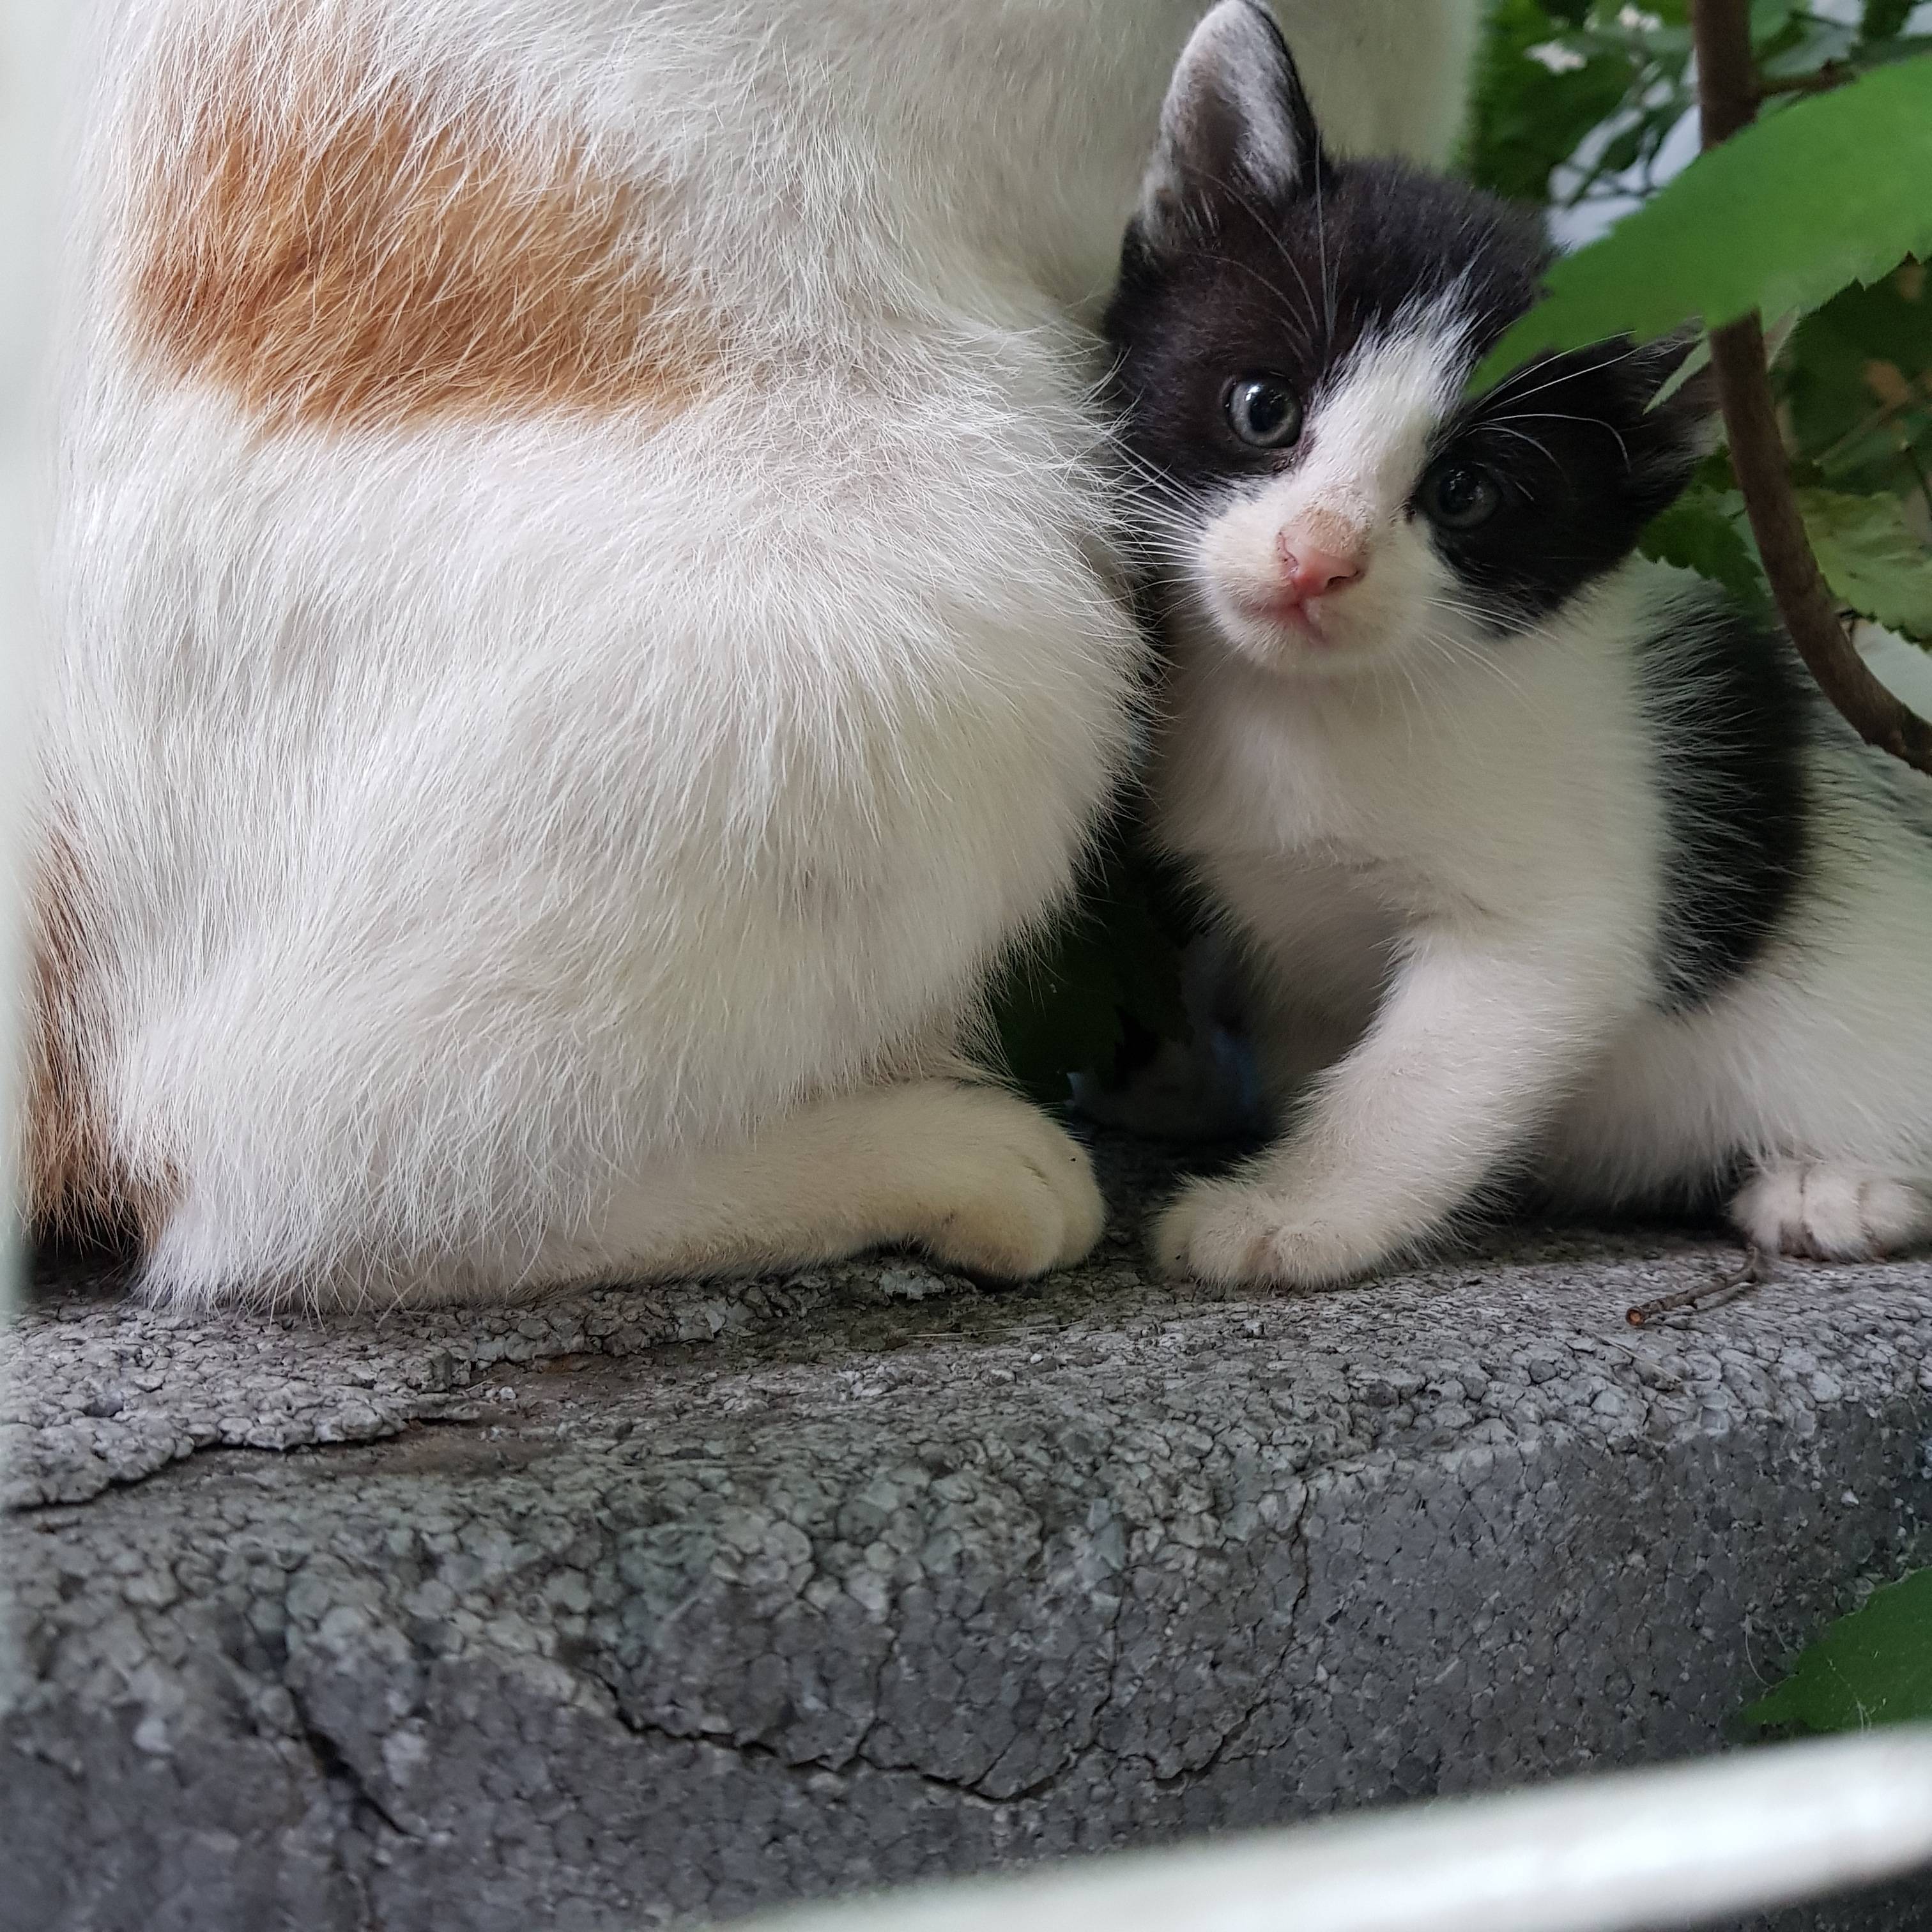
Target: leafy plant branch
pixel 1728 95
pixel 1810 212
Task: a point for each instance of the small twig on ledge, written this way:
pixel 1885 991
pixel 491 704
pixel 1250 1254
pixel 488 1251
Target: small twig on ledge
pixel 1757 1270
pixel 1727 95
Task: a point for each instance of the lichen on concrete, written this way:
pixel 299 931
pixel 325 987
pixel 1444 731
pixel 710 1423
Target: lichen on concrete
pixel 651 1606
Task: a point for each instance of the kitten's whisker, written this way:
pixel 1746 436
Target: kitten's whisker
pixel 1177 541
pixel 1523 435
pixel 1259 217
pixel 1274 289
pixel 1560 416
pixel 1329 285
pixel 1504 391
pixel 1460 651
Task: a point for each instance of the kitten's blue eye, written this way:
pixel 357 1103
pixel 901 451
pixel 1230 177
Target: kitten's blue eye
pixel 1264 411
pixel 1459 495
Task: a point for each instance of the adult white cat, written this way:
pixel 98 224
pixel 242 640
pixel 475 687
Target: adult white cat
pixel 585 623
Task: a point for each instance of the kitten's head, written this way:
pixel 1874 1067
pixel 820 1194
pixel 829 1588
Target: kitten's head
pixel 1295 333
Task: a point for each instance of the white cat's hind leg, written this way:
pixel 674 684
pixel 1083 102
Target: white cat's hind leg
pixel 1832 1210
pixel 977 1178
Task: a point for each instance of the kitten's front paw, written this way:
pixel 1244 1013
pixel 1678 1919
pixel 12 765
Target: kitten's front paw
pixel 1830 1213
pixel 1241 1234
pixel 1010 1195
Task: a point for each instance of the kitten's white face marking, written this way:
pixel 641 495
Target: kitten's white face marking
pixel 1325 568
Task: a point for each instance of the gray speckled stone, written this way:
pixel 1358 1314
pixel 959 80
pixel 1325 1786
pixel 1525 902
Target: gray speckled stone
pixel 652 1606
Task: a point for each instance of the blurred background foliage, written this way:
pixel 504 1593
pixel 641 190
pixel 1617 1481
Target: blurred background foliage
pixel 1587 110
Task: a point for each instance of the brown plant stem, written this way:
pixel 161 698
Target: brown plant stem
pixel 1727 96
pixel 1832 74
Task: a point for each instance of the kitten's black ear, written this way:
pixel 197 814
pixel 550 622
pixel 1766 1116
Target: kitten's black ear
pixel 1236 126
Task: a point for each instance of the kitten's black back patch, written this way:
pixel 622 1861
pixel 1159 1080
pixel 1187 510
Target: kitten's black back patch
pixel 1732 711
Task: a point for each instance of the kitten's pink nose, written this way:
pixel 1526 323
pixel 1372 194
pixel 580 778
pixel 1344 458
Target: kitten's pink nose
pixel 1310 572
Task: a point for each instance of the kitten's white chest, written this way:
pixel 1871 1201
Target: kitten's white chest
pixel 1265 764
pixel 1479 799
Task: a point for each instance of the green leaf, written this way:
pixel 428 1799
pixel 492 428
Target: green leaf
pixel 1881 53
pixel 1870 558
pixel 1857 385
pixel 1705 530
pixel 1864 546
pixel 1829 192
pixel 1872 1667
pixel 1890 321
pixel 1884 19
pixel 1815 43
pixel 1622 152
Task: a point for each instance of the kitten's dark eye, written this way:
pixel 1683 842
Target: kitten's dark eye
pixel 1459 495
pixel 1264 411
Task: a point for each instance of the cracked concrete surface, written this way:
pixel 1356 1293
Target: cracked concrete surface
pixel 653 1606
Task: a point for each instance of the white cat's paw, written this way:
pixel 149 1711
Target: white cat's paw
pixel 1830 1213
pixel 1009 1193
pixel 1241 1234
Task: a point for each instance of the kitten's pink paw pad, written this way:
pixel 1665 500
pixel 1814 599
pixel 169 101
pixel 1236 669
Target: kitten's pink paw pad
pixel 1244 1236
pixel 1830 1213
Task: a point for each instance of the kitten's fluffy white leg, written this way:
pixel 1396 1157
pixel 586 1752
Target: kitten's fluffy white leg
pixel 1831 1210
pixel 1469 1052
pixel 979 1179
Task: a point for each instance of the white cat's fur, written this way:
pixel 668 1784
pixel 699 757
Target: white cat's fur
pixel 554 844
pixel 1446 852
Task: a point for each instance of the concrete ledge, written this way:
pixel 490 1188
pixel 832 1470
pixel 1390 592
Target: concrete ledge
pixel 657 1605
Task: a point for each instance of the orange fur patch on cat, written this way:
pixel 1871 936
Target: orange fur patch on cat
pixel 318 245
pixel 74 1183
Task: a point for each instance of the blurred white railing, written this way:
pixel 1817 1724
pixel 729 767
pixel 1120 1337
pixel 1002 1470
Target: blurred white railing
pixel 1612 1853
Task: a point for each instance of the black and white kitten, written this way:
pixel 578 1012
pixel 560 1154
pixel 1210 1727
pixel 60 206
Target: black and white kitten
pixel 1546 859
